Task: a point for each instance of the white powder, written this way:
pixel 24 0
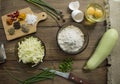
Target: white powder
pixel 71 39
pixel 31 19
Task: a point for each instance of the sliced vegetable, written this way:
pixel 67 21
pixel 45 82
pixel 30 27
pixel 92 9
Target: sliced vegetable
pixel 103 49
pixel 66 65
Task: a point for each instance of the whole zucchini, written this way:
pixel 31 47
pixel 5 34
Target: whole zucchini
pixel 103 49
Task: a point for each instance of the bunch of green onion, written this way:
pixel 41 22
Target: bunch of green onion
pixel 36 78
pixel 54 13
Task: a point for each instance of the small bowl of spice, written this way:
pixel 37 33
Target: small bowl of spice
pixel 72 38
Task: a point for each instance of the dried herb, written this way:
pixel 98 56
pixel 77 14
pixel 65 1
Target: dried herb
pixel 11 31
pixel 66 65
pixel 24 28
pixel 16 25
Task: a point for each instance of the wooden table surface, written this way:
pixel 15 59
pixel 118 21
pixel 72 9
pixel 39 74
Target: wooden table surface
pixel 47 30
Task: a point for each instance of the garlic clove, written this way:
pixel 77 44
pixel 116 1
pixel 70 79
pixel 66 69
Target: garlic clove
pixel 74 5
pixel 77 15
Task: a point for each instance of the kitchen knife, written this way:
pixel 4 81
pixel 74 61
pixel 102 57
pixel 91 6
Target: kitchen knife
pixel 2 53
pixel 69 76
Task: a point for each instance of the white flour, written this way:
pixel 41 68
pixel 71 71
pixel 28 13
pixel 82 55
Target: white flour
pixel 71 39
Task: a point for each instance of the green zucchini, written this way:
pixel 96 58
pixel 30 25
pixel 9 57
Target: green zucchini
pixel 103 49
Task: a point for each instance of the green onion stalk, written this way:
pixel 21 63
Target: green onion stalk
pixel 33 79
pixel 54 13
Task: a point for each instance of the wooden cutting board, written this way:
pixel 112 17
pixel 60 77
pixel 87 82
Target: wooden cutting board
pixel 18 33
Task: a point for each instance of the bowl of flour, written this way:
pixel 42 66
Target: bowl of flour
pixel 72 39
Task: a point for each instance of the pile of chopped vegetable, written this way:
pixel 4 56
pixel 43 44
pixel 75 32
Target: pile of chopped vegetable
pixel 66 65
pixel 31 50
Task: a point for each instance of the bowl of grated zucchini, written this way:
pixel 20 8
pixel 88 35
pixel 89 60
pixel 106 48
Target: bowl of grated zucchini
pixel 30 50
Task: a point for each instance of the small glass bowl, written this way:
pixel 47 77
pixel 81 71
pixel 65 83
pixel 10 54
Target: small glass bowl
pixel 95 13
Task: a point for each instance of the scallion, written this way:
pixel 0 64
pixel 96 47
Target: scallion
pixel 38 77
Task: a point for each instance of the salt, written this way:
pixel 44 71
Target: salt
pixel 71 39
pixel 31 19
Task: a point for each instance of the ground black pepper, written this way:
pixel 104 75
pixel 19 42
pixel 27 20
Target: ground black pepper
pixel 16 25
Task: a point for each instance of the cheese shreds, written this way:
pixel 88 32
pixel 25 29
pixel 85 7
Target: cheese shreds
pixel 31 50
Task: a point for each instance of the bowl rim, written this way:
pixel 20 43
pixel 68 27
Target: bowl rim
pixel 86 37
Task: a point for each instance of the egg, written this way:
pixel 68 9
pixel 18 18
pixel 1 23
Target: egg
pixel 74 5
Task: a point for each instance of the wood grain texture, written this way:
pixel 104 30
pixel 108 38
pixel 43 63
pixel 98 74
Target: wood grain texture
pixel 47 31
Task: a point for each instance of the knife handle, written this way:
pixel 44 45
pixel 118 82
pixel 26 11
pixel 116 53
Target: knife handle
pixel 77 80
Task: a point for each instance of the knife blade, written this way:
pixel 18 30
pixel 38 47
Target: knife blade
pixel 2 53
pixel 69 76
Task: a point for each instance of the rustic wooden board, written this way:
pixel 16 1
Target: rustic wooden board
pixel 18 32
pixel 47 31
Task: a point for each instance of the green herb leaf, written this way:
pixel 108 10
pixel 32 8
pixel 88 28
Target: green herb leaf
pixel 66 65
